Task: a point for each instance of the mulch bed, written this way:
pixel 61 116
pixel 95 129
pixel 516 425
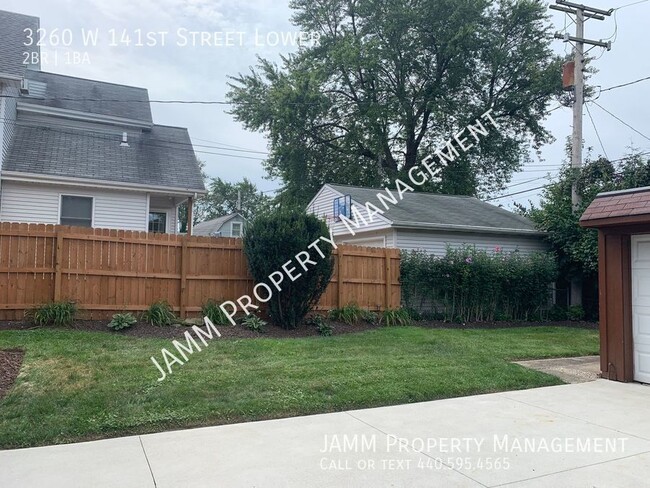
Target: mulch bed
pixel 10 362
pixel 146 330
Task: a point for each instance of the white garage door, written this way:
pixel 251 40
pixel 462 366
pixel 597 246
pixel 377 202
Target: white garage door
pixel 641 307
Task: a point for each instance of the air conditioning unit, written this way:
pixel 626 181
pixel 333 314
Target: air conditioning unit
pixel 24 87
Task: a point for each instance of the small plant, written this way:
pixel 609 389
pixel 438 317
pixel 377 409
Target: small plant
pixel 55 313
pixel 394 317
pixel 321 325
pixel 370 317
pixel 254 323
pixel 160 314
pixel 213 311
pixel 576 313
pixel 122 321
pixel 349 314
pixel 557 313
pixel 325 329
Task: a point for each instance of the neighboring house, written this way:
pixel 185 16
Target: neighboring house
pixel 227 226
pixel 427 221
pixel 84 152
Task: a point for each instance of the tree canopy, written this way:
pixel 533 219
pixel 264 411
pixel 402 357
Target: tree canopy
pixel 222 198
pixel 390 80
pixel 577 247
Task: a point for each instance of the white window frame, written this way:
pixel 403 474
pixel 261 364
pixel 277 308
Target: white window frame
pixel 80 195
pixel 232 229
pixel 167 220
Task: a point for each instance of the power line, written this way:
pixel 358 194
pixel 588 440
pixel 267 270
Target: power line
pixel 630 4
pixel 620 120
pixel 515 193
pixel 625 84
pixel 596 130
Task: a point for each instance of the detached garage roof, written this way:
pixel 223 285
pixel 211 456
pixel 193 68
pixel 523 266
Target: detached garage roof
pixel 617 208
pixel 434 211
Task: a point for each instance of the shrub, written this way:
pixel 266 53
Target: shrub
pixel 325 329
pixel 321 325
pixel 558 313
pixel 274 239
pixel 159 313
pixel 254 323
pixel 213 311
pixel 349 314
pixel 472 285
pixel 56 313
pixel 122 321
pixel 393 317
pixel 576 313
pixel 370 317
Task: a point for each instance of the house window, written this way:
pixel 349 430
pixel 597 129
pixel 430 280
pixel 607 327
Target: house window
pixel 236 229
pixel 77 211
pixel 158 222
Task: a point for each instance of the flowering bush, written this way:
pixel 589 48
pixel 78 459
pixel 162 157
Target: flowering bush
pixel 472 285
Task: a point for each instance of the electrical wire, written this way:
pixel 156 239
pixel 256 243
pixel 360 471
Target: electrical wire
pixel 596 130
pixel 630 4
pixel 624 84
pixel 620 120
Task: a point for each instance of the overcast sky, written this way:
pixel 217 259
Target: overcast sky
pixel 172 69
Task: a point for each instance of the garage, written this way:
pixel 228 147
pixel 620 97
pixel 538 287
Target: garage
pixel 641 307
pixel 623 223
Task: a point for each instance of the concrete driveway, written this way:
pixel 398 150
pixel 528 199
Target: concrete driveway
pixel 594 434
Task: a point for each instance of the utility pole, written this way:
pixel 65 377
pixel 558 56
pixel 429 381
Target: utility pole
pixel 581 13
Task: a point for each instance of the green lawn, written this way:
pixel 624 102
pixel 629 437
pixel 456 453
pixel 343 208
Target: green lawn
pixel 83 385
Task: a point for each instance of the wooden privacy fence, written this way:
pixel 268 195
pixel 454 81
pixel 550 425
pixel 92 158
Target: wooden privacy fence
pixel 107 271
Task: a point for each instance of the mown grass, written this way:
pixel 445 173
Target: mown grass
pixel 85 385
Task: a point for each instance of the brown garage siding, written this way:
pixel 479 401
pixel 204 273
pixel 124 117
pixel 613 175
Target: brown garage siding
pixel 617 216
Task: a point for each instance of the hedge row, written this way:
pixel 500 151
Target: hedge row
pixel 470 285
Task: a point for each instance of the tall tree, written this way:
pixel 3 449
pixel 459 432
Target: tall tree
pixel 575 246
pixel 222 198
pixel 390 80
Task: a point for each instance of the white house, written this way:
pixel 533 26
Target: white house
pixel 84 152
pixel 226 226
pixel 426 221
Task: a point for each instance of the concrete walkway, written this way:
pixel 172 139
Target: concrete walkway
pixel 570 370
pixel 600 431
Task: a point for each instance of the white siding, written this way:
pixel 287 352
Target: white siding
pixel 436 242
pixel 323 206
pixel 384 238
pixel 7 119
pixel 35 203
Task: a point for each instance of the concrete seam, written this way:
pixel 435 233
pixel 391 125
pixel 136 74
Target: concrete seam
pixel 148 463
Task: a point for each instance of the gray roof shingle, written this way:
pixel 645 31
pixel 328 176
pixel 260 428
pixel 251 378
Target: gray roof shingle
pixel 211 227
pixel 14 40
pixel 162 157
pixel 96 97
pixel 419 209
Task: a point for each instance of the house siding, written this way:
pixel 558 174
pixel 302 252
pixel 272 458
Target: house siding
pixel 436 242
pixel 323 206
pixel 33 203
pixel 7 118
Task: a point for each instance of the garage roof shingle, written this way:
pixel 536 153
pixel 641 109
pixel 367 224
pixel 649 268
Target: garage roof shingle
pixel 618 205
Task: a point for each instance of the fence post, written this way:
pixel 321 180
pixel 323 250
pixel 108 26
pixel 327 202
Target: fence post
pixel 339 272
pixel 57 265
pixel 389 277
pixel 184 264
